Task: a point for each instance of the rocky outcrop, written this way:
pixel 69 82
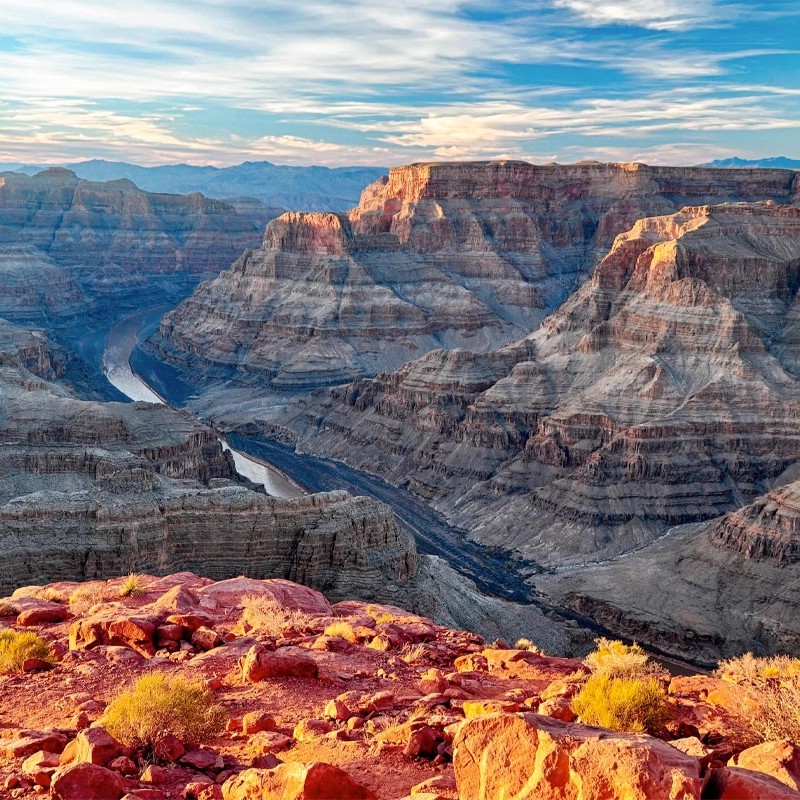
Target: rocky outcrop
pixel 662 392
pixel 84 223
pixel 435 255
pixel 34 290
pixel 93 489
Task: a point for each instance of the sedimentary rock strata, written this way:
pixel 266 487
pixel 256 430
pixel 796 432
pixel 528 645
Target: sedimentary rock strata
pixel 92 489
pixel 83 223
pixel 662 392
pixel 435 255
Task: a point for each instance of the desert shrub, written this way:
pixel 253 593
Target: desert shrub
pixel 42 593
pixel 132 585
pixel 766 705
pixel 633 704
pixel 85 597
pixel 616 659
pixel 16 647
pixel 411 653
pixel 8 608
pixel 378 614
pixel 341 630
pixel 526 644
pixel 264 615
pixel 158 705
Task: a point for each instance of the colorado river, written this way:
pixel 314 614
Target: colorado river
pixel 121 341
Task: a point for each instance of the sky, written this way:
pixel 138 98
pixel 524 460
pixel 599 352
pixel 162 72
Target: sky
pixel 388 82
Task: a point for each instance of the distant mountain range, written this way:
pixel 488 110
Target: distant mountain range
pixel 779 162
pixel 297 188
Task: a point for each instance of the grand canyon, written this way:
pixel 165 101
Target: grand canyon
pixel 399 401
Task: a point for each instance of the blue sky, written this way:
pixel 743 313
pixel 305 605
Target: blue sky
pixel 394 81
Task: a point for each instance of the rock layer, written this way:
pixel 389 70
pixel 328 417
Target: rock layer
pixel 435 255
pixel 93 489
pixel 662 392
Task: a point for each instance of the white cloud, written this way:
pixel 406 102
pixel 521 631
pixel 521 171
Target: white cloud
pixel 663 15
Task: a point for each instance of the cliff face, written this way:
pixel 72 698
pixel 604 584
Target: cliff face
pixel 94 489
pixel 84 223
pixel 663 391
pixel 435 255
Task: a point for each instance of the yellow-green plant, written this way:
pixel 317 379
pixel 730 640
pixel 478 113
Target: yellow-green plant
pixel 158 705
pixel 766 703
pixel 616 659
pixel 526 644
pixel 132 586
pixel 342 630
pixel 264 615
pixel 16 647
pixel 635 704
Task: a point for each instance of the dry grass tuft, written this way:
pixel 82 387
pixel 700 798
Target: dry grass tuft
pixel 636 705
pixel 86 597
pixel 527 644
pixel 617 660
pixel 8 608
pixel 158 705
pixel 132 586
pixel 17 647
pixel 42 593
pixel 266 616
pixel 341 630
pixel 766 705
pixel 413 653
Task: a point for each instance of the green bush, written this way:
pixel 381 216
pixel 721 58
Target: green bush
pixel 618 660
pixel 158 705
pixel 16 647
pixel 635 704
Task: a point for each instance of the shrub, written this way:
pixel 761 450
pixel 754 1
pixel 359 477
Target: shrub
pixel 42 593
pixel 411 653
pixel 619 660
pixel 628 704
pixel 16 647
pixel 264 615
pixel 766 705
pixel 85 597
pixel 526 644
pixel 132 586
pixel 342 630
pixel 158 705
pixel 8 608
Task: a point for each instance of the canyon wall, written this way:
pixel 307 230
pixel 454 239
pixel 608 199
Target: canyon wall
pixel 436 255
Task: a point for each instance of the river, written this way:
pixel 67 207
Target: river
pixel 116 366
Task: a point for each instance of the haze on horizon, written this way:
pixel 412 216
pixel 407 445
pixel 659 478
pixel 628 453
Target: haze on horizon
pixel 356 82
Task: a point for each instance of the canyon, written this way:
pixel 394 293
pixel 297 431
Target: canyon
pixel 466 256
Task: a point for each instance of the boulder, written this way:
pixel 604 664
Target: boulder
pixel 260 664
pixel 295 781
pixel 42 614
pixel 256 721
pixel 205 638
pixel 780 760
pixel 29 742
pixel 741 784
pixel 110 626
pixel 203 760
pixel 96 746
pixel 539 753
pixel 229 594
pixel 86 782
pixel 308 729
pixel 40 767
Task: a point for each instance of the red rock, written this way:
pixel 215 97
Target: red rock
pixel 308 729
pixel 108 626
pixel 478 708
pixel 145 794
pixel 86 782
pixel 423 742
pixel 43 614
pixel 191 622
pixel 206 639
pixel 169 632
pixel 36 665
pixel 155 775
pixel 197 791
pixel 230 593
pixel 256 721
pixel 260 664
pixel 170 748
pixel 443 786
pixel 344 706
pixel 40 767
pixel 472 662
pixel 538 753
pixel 740 784
pixel 96 746
pixel 433 681
pixel 558 708
pixel 780 760
pixel 379 702
pixel 268 742
pixel 123 765
pixel 295 781
pixel 203 759
pixel 30 742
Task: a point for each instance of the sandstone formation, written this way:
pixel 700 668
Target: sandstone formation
pixel 93 489
pixel 116 224
pixel 435 255
pixel 370 702
pixel 662 392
